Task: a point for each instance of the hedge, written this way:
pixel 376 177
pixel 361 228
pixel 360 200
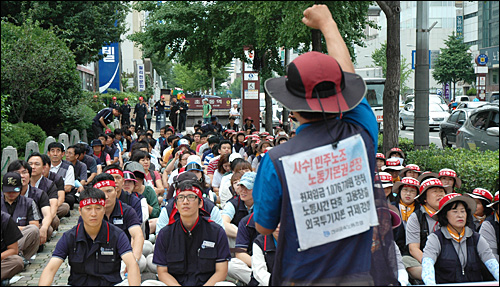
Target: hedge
pixel 475 168
pixel 20 135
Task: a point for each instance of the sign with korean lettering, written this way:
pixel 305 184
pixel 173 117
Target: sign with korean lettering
pixel 109 68
pixel 331 192
pixel 216 103
pixel 141 78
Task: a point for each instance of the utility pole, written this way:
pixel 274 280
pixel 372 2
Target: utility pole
pixel 421 130
pixel 285 111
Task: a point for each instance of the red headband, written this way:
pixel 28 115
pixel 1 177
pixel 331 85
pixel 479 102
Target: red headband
pixel 89 201
pixel 104 183
pixel 115 171
pixel 193 189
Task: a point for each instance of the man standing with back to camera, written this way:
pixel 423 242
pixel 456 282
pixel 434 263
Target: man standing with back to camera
pixel 337 127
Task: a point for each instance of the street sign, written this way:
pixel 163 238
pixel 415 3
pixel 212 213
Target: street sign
pixel 482 60
pixel 433 54
pixel 251 76
pixel 439 92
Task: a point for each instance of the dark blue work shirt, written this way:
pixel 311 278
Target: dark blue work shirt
pixel 132 201
pixel 93 262
pixel 191 255
pixel 106 114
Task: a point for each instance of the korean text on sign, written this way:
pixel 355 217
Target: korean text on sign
pixel 331 192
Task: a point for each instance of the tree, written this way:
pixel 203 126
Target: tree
pixel 197 79
pixel 85 26
pixel 380 59
pixel 38 72
pixel 392 86
pixel 454 63
pixel 235 88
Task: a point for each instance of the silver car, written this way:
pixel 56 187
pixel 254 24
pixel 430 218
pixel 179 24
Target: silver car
pixel 436 116
pixel 480 130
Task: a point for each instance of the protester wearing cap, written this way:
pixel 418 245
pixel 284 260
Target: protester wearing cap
pixel 248 125
pixel 102 156
pixel 449 178
pixel 192 250
pixel 152 177
pixel 40 198
pixel 396 152
pixel 422 223
pixel 180 160
pixel 490 227
pixel 140 114
pixel 238 207
pixel 125 109
pixel 280 139
pixel 380 157
pixel 410 170
pixel 239 146
pixel 113 104
pixel 455 239
pixel 386 180
pixel 405 204
pixel 342 91
pixel 94 248
pixel 159 108
pixel 23 211
pixel 483 198
pixel 261 151
pixel 394 167
pixel 214 125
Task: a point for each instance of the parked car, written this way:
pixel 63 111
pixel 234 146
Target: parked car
pixel 493 97
pixel 480 130
pixel 433 98
pixel 436 115
pixel 462 99
pixel 448 129
pixel 470 105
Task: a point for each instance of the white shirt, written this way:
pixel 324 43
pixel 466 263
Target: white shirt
pixel 69 179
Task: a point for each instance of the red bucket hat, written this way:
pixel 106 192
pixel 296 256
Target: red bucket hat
pixel 481 193
pixel 451 173
pixel 432 182
pixel 392 164
pixel 495 200
pixel 406 181
pixel 453 197
pixel 395 150
pixel 413 167
pixel 313 75
pixel 380 156
pixel 385 178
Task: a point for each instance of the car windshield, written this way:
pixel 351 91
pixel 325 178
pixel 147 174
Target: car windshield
pixel 438 100
pixel 435 108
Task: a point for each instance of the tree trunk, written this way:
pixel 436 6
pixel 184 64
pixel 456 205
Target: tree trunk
pixel 266 74
pixel 391 90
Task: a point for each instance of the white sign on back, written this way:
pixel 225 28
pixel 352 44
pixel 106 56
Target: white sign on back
pixel 331 192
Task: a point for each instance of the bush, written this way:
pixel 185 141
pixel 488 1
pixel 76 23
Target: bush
pixel 472 92
pixel 77 117
pixel 19 137
pixel 34 131
pixel 475 168
pixel 7 141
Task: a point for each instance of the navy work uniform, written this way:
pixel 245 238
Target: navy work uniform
pixel 107 115
pixel 93 263
pixel 191 255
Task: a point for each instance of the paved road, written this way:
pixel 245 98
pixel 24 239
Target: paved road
pixel 433 136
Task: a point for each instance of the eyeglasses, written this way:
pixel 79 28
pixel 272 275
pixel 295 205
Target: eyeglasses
pixel 190 197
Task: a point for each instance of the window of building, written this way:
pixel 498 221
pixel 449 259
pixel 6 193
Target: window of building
pixel 468 16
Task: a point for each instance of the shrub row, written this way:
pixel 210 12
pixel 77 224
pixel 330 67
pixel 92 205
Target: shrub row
pixel 21 134
pixel 475 168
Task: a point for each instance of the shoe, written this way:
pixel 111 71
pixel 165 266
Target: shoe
pixel 6 282
pixel 26 262
pixel 54 233
pixel 40 248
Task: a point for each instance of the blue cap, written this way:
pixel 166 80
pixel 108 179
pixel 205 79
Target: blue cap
pixel 248 179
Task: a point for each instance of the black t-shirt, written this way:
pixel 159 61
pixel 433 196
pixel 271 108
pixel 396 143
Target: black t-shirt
pixel 140 109
pixel 10 232
pixel 106 114
pixel 11 208
pixel 160 106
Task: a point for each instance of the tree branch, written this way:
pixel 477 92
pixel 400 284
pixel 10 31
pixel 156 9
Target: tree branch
pixel 386 8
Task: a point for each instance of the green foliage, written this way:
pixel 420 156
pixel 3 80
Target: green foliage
pixel 380 59
pixel 76 116
pixel 38 72
pixel 195 79
pixel 475 168
pixel 18 137
pixel 7 141
pixel 454 63
pixel 85 26
pixel 236 88
pixel 35 132
pixel 472 92
pixel 6 126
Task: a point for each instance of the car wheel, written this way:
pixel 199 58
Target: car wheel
pixel 401 125
pixel 444 141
